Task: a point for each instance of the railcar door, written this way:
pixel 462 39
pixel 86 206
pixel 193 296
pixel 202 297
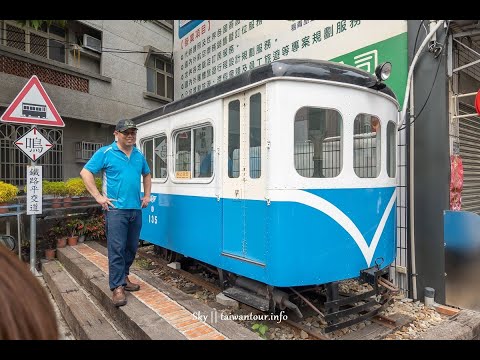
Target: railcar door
pixel 243 161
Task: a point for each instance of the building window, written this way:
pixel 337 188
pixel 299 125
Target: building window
pixel 13 162
pixel 84 150
pixel 160 77
pixel 46 41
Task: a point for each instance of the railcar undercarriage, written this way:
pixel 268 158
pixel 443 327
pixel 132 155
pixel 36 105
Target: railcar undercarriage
pixel 338 306
pixel 339 309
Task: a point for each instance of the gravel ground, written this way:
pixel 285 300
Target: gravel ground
pixel 424 317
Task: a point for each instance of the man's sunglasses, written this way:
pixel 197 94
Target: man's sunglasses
pixel 131 132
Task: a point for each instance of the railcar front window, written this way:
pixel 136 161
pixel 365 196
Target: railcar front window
pixel 391 147
pixel 366 145
pixel 318 142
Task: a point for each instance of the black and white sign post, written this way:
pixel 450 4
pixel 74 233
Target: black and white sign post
pixel 34 202
pixel 33 106
pixel 34 145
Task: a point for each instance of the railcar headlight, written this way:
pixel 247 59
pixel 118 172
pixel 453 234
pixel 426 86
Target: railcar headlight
pixel 383 71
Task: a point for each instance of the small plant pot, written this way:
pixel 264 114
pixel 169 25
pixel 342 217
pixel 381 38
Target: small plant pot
pixel 49 254
pixel 81 238
pixel 3 208
pixel 61 242
pixel 72 240
pixel 56 203
pixel 67 202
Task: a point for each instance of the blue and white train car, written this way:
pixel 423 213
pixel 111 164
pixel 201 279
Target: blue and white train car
pixel 284 174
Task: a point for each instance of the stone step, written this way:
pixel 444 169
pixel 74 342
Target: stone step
pixel 83 316
pixel 157 311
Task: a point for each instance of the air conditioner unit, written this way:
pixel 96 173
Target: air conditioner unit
pixel 91 43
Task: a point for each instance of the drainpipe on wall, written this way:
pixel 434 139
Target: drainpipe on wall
pixel 411 200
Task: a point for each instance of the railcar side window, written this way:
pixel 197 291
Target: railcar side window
pixel 155 151
pixel 391 147
pixel 234 139
pixel 197 144
pixel 203 143
pixel 318 142
pixel 255 148
pixel 366 146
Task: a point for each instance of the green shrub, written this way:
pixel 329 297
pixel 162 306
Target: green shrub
pixel 56 188
pixel 98 184
pixel 8 192
pixel 76 187
pixel 46 188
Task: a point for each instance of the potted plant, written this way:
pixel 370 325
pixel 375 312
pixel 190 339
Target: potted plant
pixel 50 243
pixel 76 188
pixel 55 188
pixel 60 234
pixel 74 226
pixel 81 228
pixel 47 191
pixel 8 192
pixel 95 228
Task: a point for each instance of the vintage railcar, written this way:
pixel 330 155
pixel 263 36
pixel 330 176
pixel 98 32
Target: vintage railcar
pixel 283 176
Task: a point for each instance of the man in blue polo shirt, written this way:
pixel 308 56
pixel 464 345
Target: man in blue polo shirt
pixel 123 166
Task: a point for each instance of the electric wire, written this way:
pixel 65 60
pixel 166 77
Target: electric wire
pixel 71 44
pixel 104 50
pixel 415 117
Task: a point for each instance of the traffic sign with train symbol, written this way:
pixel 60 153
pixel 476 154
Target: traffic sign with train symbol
pixel 33 106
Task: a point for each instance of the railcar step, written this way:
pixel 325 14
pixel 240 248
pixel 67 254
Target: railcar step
pixel 247 297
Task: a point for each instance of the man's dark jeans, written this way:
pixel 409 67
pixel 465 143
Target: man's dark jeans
pixel 123 231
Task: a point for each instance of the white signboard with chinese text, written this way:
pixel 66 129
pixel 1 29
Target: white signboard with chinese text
pixel 207 52
pixel 33 144
pixel 34 190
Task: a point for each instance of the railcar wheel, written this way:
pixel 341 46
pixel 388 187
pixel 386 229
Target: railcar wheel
pixel 157 250
pixel 168 255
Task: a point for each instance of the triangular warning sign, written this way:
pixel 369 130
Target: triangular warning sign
pixel 33 106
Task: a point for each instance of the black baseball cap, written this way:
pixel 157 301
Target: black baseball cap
pixel 125 124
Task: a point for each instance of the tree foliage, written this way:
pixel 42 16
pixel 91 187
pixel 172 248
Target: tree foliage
pixel 38 23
